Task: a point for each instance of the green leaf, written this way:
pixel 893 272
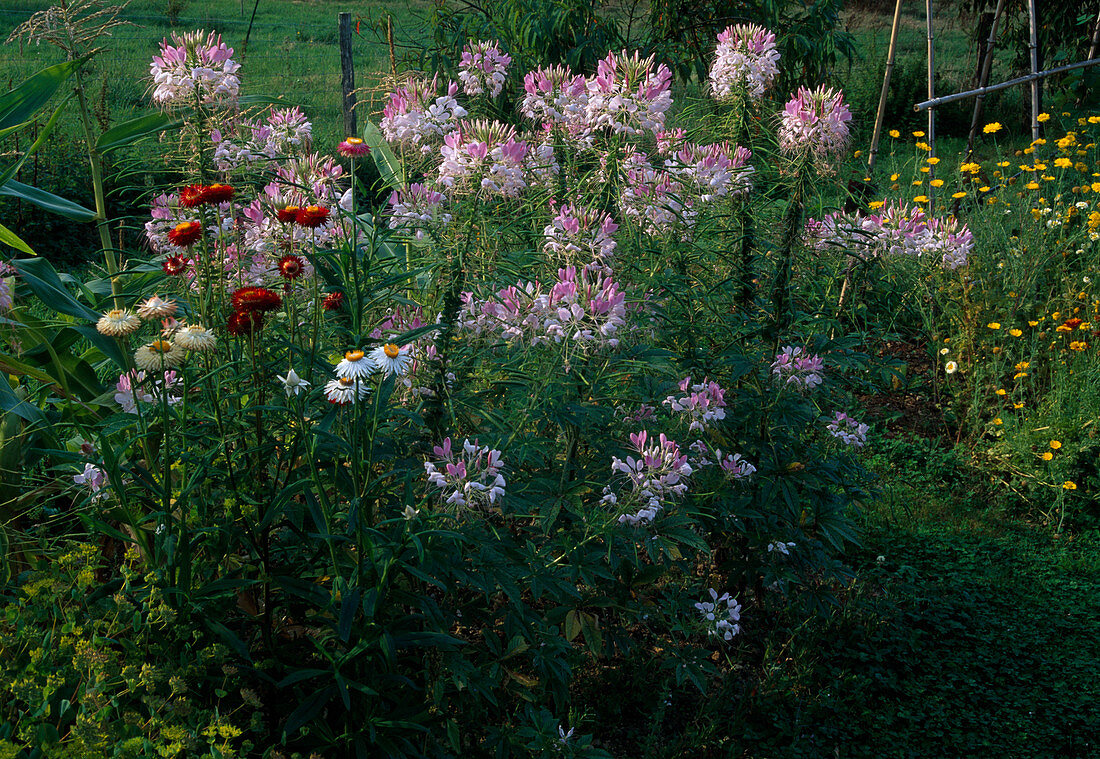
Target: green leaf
pixel 47 201
pixel 129 132
pixel 389 168
pixel 10 238
pixel 19 105
pixel 41 277
pixel 12 170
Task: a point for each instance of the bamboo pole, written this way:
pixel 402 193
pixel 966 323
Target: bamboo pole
pixel 873 153
pixel 983 79
pixel 1036 84
pixel 1095 38
pixel 931 96
pixel 935 102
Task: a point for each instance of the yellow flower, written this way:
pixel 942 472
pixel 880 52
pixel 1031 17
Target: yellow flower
pixel 1063 163
pixel 1077 345
pixel 1004 164
pixel 875 204
pixel 1055 444
pixel 994 325
pixel 1019 375
pixel 894 133
pixel 918 134
pixel 1043 117
pixel 936 183
pixel 918 182
pixel 924 146
pixel 1032 324
pixel 1095 186
pixel 1069 485
pixel 1023 365
pixel 894 178
pixel 1015 332
pixel 920 199
pixel 984 188
pixel 1001 391
pixel 1018 405
pixel 1032 185
pixel 991 128
pixel 958 195
pixel 933 160
pixel 1047 456
pixel 998 421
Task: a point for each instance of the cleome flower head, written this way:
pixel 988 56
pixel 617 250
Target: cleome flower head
pixel 746 61
pixel 721 621
pixel 815 122
pixel 468 476
pixel 194 68
pixel 482 68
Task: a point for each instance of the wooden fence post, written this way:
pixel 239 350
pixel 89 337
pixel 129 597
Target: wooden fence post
pixel 347 78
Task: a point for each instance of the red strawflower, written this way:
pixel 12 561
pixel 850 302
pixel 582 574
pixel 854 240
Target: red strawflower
pixel 185 233
pixel 311 216
pixel 291 266
pixel 217 193
pixel 175 265
pixel 191 195
pixel 287 214
pixel 244 322
pixel 353 147
pixel 257 299
pixel 333 301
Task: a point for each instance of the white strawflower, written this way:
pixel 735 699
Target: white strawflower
pixel 158 355
pixel 345 390
pixel 156 308
pixel 118 322
pixel 391 359
pixel 197 338
pixel 292 383
pixel 355 366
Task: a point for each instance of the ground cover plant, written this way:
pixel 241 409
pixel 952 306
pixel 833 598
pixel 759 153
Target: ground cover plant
pixel 544 387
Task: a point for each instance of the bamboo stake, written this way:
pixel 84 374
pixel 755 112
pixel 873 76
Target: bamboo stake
pixel 873 153
pixel 1095 38
pixel 1003 85
pixel 983 78
pixel 1036 91
pixel 347 75
pixel 931 96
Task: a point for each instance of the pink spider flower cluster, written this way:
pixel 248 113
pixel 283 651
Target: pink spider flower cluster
pixel 898 229
pixel 417 208
pixel 628 95
pixel 134 388
pixel 482 68
pixel 555 96
pixel 721 621
pixel 94 479
pixel 746 61
pixel 195 68
pixel 655 478
pixel 847 430
pixel 417 115
pixel 484 155
pixel 733 465
pixel 468 476
pixel 795 367
pixel 815 122
pixel 711 171
pixel 701 403
pixel 578 232
pixel 286 131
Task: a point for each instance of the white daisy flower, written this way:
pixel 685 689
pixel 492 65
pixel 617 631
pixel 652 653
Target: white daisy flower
pixel 118 322
pixel 951 367
pixel 293 384
pixel 355 366
pixel 197 338
pixel 389 359
pixel 345 390
pixel 158 355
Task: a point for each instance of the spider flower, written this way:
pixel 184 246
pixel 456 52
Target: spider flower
pixel 746 61
pixel 815 122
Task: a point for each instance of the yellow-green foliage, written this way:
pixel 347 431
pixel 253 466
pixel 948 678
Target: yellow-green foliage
pixel 75 677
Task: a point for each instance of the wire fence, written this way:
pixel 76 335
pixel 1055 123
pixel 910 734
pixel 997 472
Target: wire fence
pixel 297 60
